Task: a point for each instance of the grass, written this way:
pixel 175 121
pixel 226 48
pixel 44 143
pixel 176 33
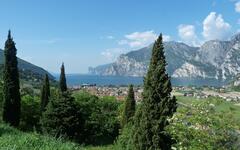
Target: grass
pixel 13 139
pixel 229 107
pixel 220 104
pixel 188 100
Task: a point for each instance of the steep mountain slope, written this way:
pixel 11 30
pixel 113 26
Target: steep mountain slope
pixel 215 59
pixel 219 60
pixel 26 69
pixel 135 63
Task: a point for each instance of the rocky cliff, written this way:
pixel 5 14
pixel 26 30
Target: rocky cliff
pixel 214 59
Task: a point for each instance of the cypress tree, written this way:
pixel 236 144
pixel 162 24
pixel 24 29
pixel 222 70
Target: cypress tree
pixel 63 83
pixel 129 108
pixel 45 93
pixel 11 94
pixel 157 105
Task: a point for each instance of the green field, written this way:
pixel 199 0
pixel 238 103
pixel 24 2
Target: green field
pixel 220 104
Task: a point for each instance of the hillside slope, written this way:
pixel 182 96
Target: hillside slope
pixel 26 69
pixel 13 139
pixel 135 63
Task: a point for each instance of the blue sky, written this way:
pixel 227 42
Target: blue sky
pixel 83 33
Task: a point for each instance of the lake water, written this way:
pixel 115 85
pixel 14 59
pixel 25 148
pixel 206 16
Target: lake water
pixel 78 79
pixel 103 80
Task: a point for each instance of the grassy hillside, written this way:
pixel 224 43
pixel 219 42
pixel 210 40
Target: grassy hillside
pixel 13 139
pixel 220 105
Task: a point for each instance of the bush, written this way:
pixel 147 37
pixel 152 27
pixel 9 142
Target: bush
pixel 100 116
pixel 30 113
pixel 62 117
pixel 202 127
pixel 27 91
pixel 124 140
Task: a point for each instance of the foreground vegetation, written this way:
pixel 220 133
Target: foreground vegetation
pixel 213 112
pixel 100 129
pixel 219 104
pixel 13 139
pixel 210 123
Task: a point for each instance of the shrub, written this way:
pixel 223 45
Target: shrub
pixel 30 113
pixel 100 116
pixel 202 127
pixel 124 140
pixel 62 117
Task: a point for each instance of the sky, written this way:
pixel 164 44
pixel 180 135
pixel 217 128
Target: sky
pixel 84 33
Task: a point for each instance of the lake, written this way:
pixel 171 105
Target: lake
pixel 78 79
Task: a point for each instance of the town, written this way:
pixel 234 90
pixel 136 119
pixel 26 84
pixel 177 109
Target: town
pixel 120 92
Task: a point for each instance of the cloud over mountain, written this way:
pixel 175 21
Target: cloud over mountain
pixel 188 35
pixel 214 27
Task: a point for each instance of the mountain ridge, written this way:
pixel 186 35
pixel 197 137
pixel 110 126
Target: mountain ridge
pixel 27 69
pixel 214 59
pixel 135 63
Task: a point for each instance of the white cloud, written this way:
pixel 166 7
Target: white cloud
pixel 166 38
pixel 188 35
pixel 141 39
pixel 112 54
pixel 186 32
pixel 133 40
pixel 237 7
pixel 214 27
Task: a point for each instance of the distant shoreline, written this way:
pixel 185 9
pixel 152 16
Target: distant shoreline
pixel 79 79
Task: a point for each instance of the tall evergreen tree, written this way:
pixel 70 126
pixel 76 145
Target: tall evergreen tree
pixel 45 93
pixel 129 108
pixel 63 83
pixel 157 105
pixel 11 94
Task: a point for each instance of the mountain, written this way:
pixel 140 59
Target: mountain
pixel 27 70
pixel 135 63
pixel 215 59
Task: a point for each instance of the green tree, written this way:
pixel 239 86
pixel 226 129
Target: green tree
pixel 45 93
pixel 63 83
pixel 100 115
pixel 157 105
pixel 11 94
pixel 62 117
pixel 129 108
pixel 30 113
